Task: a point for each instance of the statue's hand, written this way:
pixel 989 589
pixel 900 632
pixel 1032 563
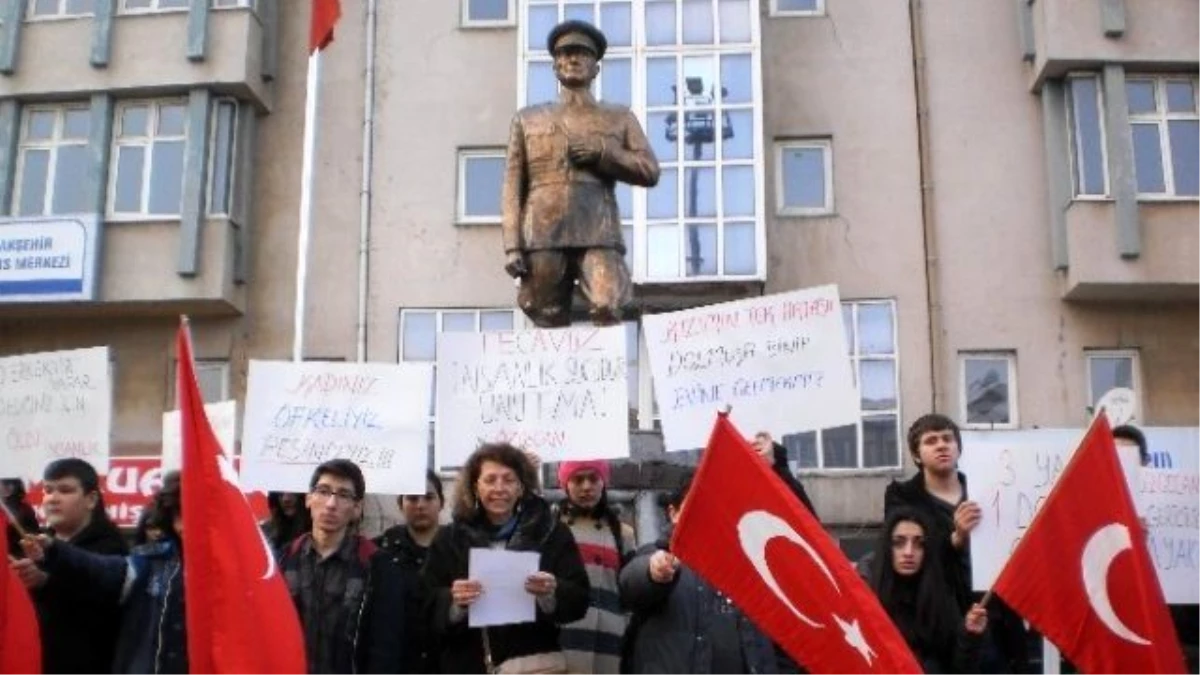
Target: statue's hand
pixel 516 266
pixel 584 151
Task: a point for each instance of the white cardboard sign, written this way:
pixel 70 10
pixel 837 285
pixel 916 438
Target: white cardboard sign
pixel 562 393
pixel 779 360
pixel 223 418
pixel 54 405
pixel 299 415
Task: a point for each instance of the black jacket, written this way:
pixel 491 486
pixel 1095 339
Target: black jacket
pixel 79 631
pixel 779 465
pixel 461 648
pixel 670 629
pixel 420 651
pixel 373 622
pixel 1009 649
pixel 958 654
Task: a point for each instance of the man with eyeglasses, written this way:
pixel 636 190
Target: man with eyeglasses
pixel 350 595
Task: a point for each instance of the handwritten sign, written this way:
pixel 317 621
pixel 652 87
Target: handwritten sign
pixel 1010 482
pixel 561 393
pixel 1167 504
pixel 299 415
pixel 54 405
pixel 223 418
pixel 779 360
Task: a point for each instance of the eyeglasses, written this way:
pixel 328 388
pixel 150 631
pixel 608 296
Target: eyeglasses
pixel 499 481
pixel 324 492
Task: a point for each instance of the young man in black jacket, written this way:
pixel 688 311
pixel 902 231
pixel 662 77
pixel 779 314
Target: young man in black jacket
pixel 939 492
pixel 408 546
pixel 79 632
pixel 350 596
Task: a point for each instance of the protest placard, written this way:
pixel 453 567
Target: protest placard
pixel 54 405
pixel 299 415
pixel 561 393
pixel 222 417
pixel 1010 481
pixel 779 360
pixel 1167 504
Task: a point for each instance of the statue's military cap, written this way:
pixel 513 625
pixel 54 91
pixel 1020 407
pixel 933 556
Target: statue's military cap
pixel 579 33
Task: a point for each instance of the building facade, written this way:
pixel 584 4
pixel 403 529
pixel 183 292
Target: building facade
pixel 1006 193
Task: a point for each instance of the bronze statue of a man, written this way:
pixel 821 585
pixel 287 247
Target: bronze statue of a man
pixel 559 208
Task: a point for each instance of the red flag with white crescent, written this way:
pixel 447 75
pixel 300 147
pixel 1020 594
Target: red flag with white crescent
pixel 748 535
pixel 240 616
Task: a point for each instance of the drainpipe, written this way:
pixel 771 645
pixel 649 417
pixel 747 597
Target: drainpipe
pixel 364 195
pixel 933 293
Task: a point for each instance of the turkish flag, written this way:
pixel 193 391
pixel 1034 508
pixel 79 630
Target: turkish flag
pixel 325 15
pixel 20 640
pixel 751 538
pixel 1082 574
pixel 240 617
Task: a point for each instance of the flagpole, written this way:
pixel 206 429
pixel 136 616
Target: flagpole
pixel 306 200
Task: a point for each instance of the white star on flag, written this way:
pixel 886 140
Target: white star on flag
pixel 854 637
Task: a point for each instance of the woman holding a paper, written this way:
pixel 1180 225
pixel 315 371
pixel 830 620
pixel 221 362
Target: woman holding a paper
pixel 505 574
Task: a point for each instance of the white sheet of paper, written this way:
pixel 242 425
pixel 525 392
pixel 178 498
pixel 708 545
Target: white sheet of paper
pixel 504 599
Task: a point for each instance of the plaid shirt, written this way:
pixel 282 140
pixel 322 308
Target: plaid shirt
pixel 328 594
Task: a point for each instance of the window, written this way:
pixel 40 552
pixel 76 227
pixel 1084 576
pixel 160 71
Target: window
pixel 804 178
pixel 1166 135
pixel 483 13
pixel 148 150
pixel 222 156
pixel 419 329
pixel 797 7
pixel 873 442
pixel 228 4
pixel 689 69
pixel 988 392
pixel 1087 136
pixel 212 376
pixel 1112 369
pixel 52 161
pixel 38 9
pixel 153 5
pixel 480 178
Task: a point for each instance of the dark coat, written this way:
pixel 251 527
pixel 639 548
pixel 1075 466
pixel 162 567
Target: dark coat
pixel 670 630
pixel 1007 646
pixel 149 585
pixel 960 654
pixel 79 631
pixel 370 634
pixel 779 465
pixel 461 648
pixel 420 650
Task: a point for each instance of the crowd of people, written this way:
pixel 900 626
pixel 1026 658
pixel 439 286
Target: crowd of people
pixel 400 603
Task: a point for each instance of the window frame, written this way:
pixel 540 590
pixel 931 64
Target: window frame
pixel 201 364
pixel 210 174
pixel 53 145
pixel 465 20
pixel 1132 353
pixel 154 8
pixel 638 51
pixel 819 10
pixel 237 4
pixel 1010 358
pixel 1161 118
pixel 1073 135
pixel 825 145
pixel 61 14
pixel 464 155
pixel 115 143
